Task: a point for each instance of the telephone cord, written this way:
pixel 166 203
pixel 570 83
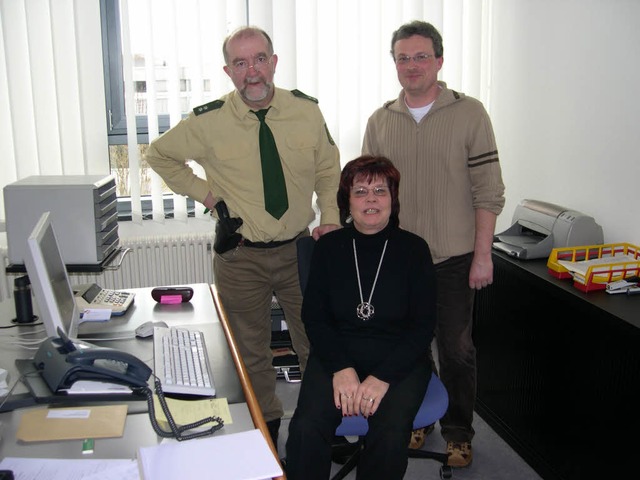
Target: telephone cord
pixel 176 431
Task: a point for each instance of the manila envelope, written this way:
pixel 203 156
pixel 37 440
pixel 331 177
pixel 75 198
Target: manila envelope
pixel 44 424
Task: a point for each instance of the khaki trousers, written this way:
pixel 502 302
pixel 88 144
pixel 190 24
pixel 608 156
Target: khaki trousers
pixel 246 279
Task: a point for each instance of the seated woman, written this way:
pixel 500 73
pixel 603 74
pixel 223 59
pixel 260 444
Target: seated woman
pixel 369 309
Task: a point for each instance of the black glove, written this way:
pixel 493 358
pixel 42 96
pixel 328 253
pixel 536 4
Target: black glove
pixel 226 238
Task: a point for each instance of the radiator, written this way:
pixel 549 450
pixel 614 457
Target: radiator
pixel 159 260
pixel 152 261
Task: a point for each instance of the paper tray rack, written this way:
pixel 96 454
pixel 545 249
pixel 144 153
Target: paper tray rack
pixel 596 277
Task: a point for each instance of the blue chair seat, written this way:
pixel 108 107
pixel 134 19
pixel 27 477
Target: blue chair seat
pixel 433 407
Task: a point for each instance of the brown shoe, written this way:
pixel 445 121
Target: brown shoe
pixel 418 436
pixel 459 454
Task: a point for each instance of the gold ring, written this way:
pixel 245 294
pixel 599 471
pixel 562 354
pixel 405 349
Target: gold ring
pixel 370 400
pixel 345 395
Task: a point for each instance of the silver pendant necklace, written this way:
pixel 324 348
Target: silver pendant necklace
pixel 365 310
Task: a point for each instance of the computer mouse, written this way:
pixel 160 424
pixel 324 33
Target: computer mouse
pixel 146 329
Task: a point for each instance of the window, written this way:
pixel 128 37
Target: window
pixel 50 57
pixel 161 77
pixel 163 58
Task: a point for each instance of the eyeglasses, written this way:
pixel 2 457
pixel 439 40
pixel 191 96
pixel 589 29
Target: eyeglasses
pixel 420 59
pixel 361 192
pixel 259 63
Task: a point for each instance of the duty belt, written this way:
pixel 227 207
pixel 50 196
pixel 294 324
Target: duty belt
pixel 274 244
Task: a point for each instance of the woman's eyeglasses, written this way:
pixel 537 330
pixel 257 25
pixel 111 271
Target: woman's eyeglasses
pixel 364 191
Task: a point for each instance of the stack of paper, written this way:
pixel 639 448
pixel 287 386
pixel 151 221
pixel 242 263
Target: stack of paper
pixel 68 469
pixel 238 456
pixel 600 267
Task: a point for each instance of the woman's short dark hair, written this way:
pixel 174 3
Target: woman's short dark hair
pixel 368 167
pixel 418 27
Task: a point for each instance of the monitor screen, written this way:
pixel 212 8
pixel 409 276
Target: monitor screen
pixel 49 280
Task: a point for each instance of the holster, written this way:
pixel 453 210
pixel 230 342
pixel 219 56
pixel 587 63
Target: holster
pixel 226 236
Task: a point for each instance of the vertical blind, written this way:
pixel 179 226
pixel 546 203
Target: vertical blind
pixel 52 106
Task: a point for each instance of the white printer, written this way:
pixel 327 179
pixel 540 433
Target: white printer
pixel 539 227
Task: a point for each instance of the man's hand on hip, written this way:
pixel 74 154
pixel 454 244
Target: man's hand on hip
pixel 322 229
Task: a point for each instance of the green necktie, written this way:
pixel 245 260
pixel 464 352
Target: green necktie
pixel 275 188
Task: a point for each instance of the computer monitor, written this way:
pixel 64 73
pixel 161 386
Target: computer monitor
pixel 50 281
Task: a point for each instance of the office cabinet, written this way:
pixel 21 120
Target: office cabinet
pixel 83 212
pixel 559 371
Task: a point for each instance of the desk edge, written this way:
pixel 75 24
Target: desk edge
pixel 250 396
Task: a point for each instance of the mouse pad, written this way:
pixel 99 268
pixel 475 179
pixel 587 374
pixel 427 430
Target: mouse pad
pixel 41 392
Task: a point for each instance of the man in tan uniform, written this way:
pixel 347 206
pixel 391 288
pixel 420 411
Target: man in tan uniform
pixel 255 249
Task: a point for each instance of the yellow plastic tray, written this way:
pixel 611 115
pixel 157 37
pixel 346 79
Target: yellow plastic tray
pixel 596 277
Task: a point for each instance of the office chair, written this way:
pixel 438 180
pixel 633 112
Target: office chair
pixel 434 405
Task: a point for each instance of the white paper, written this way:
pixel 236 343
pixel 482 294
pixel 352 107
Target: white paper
pixel 581 267
pixel 95 386
pixel 96 315
pixel 226 455
pixel 64 413
pixel 59 469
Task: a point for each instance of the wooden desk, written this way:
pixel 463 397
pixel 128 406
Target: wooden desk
pixel 204 312
pixel 558 371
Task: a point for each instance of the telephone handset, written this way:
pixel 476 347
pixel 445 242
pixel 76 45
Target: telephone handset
pixel 62 363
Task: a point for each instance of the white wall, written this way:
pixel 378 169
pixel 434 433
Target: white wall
pixel 565 107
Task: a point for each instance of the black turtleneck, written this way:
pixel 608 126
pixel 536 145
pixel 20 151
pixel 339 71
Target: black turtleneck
pixel 398 335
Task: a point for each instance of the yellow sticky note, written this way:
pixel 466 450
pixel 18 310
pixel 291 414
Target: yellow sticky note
pixel 189 411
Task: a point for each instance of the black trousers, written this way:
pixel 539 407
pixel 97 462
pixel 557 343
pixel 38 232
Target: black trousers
pixel 316 418
pixel 456 352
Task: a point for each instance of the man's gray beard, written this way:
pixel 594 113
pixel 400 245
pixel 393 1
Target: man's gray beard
pixel 268 87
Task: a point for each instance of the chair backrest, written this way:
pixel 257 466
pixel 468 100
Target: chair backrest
pixel 304 247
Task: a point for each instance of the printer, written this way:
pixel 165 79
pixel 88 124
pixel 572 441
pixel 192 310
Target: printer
pixel 539 227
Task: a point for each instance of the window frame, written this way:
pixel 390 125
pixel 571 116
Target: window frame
pixel 115 108
pixel 114 81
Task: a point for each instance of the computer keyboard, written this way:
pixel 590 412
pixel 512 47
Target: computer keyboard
pixel 181 362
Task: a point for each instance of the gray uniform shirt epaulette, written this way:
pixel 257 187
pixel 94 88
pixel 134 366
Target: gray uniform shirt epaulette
pixel 207 107
pixel 299 94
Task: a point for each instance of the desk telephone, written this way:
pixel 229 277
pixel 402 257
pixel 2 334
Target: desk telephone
pixel 62 363
pixel 94 296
